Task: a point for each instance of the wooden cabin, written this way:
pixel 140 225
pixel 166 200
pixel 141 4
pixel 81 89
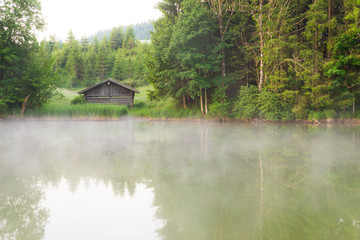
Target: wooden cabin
pixel 110 92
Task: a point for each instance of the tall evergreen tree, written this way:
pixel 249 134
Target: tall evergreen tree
pixel 118 71
pixel 116 38
pixel 101 60
pixel 223 10
pixel 130 40
pixel 196 50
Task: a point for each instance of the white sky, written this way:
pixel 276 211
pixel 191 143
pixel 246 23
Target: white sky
pixel 86 17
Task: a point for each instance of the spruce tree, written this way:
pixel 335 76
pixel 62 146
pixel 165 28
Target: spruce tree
pixel 130 39
pixel 118 71
pixel 116 38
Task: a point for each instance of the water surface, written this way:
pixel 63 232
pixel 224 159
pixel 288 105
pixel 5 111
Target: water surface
pixel 156 180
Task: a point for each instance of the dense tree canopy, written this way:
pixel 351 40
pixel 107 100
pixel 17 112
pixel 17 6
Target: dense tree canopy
pixel 84 62
pixel 24 69
pixel 302 55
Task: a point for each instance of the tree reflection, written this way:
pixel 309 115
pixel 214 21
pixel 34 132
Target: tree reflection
pixel 266 183
pixel 21 216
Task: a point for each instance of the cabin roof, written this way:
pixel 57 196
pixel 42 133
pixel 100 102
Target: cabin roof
pixel 109 80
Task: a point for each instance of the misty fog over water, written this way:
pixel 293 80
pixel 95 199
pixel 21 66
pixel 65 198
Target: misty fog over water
pixel 177 180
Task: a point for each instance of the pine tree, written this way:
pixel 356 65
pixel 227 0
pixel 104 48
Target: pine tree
pixel 118 71
pixel 130 40
pixel 101 60
pixel 195 50
pixel 116 38
pixel 223 10
pixel 160 63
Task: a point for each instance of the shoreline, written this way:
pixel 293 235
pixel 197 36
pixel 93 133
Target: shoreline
pixel 325 122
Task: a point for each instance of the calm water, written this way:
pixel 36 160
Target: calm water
pixel 154 180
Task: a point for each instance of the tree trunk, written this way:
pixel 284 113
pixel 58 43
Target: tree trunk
pixel 222 33
pixel 23 108
pixel 316 48
pixel 223 66
pixel 353 108
pixel 201 102
pixel 184 97
pixel 329 29
pixel 206 104
pixel 261 35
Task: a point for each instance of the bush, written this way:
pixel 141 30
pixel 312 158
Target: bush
pixel 299 108
pixel 152 95
pixel 329 114
pixel 269 106
pixel 273 108
pixel 3 108
pixel 221 105
pixel 78 100
pixel 314 116
pixel 247 105
pixel 345 115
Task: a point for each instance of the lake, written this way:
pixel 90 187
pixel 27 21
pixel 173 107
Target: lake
pixel 133 179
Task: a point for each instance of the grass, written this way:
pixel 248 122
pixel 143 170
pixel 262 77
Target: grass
pixel 143 107
pixel 79 111
pixel 162 109
pixel 331 114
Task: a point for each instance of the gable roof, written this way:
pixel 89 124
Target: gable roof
pixel 109 80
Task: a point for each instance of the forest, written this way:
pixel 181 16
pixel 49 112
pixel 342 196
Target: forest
pixel 242 59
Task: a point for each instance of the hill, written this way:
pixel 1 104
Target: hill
pixel 142 31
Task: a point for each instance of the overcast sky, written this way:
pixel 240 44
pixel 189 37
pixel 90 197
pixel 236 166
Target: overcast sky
pixel 86 17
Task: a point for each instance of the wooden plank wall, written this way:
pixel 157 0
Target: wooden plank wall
pixel 127 100
pixel 110 94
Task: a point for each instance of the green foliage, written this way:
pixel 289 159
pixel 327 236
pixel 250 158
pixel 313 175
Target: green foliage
pixel 184 58
pixel 323 115
pixel 267 105
pixel 130 40
pixel 25 67
pixel 80 99
pixel 80 111
pixel 116 38
pixel 271 107
pixel 119 66
pixel 313 115
pixel 330 114
pixel 220 107
pixel 299 108
pixel 246 107
pixel 83 63
pixel 152 95
pixel 162 109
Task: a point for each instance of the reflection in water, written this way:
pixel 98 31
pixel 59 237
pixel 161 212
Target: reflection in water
pixel 93 212
pixel 205 181
pixel 21 216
